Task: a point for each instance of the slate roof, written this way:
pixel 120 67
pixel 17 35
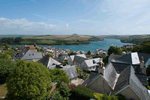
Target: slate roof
pixel 71 71
pixel 127 77
pixel 44 60
pixel 142 78
pixel 123 80
pixel 110 75
pixel 145 56
pixel 133 58
pixel 32 54
pixel 50 62
pixel 79 59
pixel 119 67
pixel 90 63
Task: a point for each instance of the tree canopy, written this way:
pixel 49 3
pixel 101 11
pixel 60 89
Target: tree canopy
pixel 89 52
pixel 72 53
pixel 58 75
pixel 28 81
pixel 115 50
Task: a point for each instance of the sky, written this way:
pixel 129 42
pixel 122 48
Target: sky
pixel 66 17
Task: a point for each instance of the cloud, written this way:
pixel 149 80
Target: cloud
pixel 34 1
pixel 23 26
pixel 139 27
pixel 67 25
pixel 86 21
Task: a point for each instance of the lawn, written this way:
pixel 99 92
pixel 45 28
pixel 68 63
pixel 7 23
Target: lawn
pixel 3 90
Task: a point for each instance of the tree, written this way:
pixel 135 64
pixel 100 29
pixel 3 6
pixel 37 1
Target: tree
pixel 72 53
pixel 28 81
pixel 115 50
pixel 89 53
pixel 58 75
pixel 7 46
pixel 56 95
pixel 6 66
pixel 64 91
pixel 38 50
pixel 50 55
pixel 148 70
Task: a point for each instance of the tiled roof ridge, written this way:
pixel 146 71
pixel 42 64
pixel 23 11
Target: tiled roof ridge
pixel 25 54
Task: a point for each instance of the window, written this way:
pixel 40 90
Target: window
pixel 29 54
pixel 32 54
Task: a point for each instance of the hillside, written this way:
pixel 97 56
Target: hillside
pixel 136 39
pixel 52 40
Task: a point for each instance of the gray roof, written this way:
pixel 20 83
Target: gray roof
pixel 131 58
pixel 50 62
pixel 142 78
pixel 119 67
pixel 127 77
pixel 71 71
pixel 110 75
pixel 32 54
pixel 79 59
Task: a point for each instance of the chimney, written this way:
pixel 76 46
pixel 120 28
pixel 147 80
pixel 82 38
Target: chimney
pixel 101 68
pixel 142 65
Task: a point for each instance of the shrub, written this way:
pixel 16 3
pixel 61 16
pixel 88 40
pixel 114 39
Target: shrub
pixel 87 71
pixel 56 95
pixel 71 86
pixel 82 92
pixel 64 91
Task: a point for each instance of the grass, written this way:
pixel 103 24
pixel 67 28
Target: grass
pixel 62 37
pixel 3 91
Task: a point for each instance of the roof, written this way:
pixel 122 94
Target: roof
pixel 127 77
pixel 49 62
pixel 79 59
pixel 90 63
pixel 142 78
pixel 110 75
pixel 44 60
pixel 145 56
pixel 71 71
pixel 72 57
pixel 32 54
pixel 119 67
pixel 52 63
pixel 81 55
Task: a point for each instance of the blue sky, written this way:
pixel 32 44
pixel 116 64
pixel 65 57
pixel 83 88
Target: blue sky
pixel 65 17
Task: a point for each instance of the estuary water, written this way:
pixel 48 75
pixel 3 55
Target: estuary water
pixel 94 45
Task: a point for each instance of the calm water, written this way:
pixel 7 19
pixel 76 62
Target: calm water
pixel 91 47
pixel 94 45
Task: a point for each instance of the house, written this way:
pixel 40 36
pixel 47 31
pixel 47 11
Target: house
pixel 74 59
pixel 81 61
pixel 50 62
pixel 107 80
pixel 63 57
pixel 71 71
pixel 91 64
pixel 29 53
pixel 100 52
pixel 112 57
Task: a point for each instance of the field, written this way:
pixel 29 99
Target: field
pixel 61 37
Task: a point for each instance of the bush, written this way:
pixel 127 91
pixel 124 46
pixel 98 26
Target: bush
pixel 71 86
pixel 64 91
pixel 56 95
pixel 87 71
pixel 82 92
